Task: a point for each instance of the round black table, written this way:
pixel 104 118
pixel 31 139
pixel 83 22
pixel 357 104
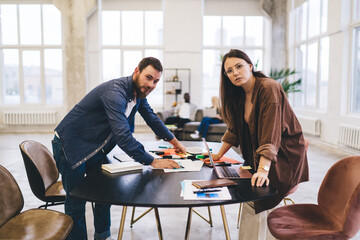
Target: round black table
pixel 154 188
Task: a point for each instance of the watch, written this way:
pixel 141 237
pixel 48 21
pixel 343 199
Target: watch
pixel 266 168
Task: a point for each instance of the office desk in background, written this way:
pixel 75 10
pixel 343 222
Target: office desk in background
pixel 156 189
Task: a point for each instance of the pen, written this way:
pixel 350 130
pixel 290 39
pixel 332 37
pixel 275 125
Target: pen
pixel 207 190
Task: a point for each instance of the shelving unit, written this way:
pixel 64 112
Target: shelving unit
pixel 176 83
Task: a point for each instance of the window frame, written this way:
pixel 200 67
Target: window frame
pixel 41 47
pixel 297 41
pixel 223 48
pixel 126 48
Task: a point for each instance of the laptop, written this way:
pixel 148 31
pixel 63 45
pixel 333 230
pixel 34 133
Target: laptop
pixel 226 172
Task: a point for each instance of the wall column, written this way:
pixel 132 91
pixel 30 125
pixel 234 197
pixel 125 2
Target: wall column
pixel 74 13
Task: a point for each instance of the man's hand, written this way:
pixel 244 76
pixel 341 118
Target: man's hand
pixel 178 146
pixel 164 163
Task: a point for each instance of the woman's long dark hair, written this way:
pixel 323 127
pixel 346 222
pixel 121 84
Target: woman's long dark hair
pixel 230 94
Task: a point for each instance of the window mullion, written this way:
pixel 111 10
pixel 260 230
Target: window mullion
pixel 42 59
pixel 21 77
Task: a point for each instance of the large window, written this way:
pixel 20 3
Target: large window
pixel 127 37
pixel 222 33
pixel 312 53
pixel 355 93
pixel 30 54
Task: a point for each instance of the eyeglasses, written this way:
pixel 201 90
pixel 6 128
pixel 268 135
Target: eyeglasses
pixel 230 71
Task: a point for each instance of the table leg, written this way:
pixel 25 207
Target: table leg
pixel 188 224
pixel 122 222
pixel 157 217
pixel 226 226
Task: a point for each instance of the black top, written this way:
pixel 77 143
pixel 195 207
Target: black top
pixel 154 188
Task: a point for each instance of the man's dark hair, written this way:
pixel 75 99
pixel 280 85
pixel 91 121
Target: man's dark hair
pixel 187 97
pixel 154 62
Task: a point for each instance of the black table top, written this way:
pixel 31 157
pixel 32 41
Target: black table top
pixel 154 188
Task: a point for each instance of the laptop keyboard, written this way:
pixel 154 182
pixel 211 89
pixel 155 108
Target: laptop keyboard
pixel 228 172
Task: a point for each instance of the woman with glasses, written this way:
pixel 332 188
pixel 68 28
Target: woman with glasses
pixel 260 120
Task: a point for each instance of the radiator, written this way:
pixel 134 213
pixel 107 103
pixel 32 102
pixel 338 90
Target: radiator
pixel 29 118
pixel 349 136
pixel 310 125
pixel 139 120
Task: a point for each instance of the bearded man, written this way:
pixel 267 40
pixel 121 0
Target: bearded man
pixel 103 119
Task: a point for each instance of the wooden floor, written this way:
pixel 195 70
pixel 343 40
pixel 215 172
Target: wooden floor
pixel 321 157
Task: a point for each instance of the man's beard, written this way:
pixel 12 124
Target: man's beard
pixel 137 87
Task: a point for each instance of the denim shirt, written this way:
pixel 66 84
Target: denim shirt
pixel 98 122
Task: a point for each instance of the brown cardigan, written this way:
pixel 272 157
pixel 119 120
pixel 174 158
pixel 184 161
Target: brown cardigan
pixel 275 133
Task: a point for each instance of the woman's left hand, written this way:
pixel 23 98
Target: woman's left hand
pixel 259 178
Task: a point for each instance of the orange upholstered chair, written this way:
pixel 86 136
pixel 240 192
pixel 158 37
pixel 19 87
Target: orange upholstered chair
pixel 337 214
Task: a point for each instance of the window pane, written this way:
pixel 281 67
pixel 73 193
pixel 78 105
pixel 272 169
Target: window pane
pixel 254 31
pixel 357 9
pixel 156 97
pixel 11 76
pixel 211 75
pixel 355 98
pixel 314 17
pixel 301 22
pixel 110 28
pixel 131 61
pixel 31 72
pixel 324 16
pixel 153 28
pixel 311 74
pixel 233 31
pixel 53 76
pixel 324 72
pixel 132 28
pixel 52 24
pixel 256 56
pixel 30 24
pixel 212 30
pixel 111 62
pixel 300 65
pixel 8 22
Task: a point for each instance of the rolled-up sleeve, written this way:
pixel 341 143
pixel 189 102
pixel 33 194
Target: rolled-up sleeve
pixel 269 131
pixel 231 138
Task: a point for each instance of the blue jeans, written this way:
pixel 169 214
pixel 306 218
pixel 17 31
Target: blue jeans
pixel 204 125
pixel 74 207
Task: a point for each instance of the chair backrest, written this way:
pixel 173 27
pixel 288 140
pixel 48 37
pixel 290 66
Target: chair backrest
pixel 40 167
pixel 11 198
pixel 339 193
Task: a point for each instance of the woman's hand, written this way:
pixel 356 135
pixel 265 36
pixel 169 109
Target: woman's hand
pixel 216 156
pixel 259 178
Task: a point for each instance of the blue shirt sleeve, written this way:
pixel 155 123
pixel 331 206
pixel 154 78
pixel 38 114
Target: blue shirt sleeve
pixel 115 103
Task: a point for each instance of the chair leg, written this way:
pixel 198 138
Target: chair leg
pixel 239 215
pixel 138 218
pixel 288 199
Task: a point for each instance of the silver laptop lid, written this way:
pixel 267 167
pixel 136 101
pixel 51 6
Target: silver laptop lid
pixel 208 150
